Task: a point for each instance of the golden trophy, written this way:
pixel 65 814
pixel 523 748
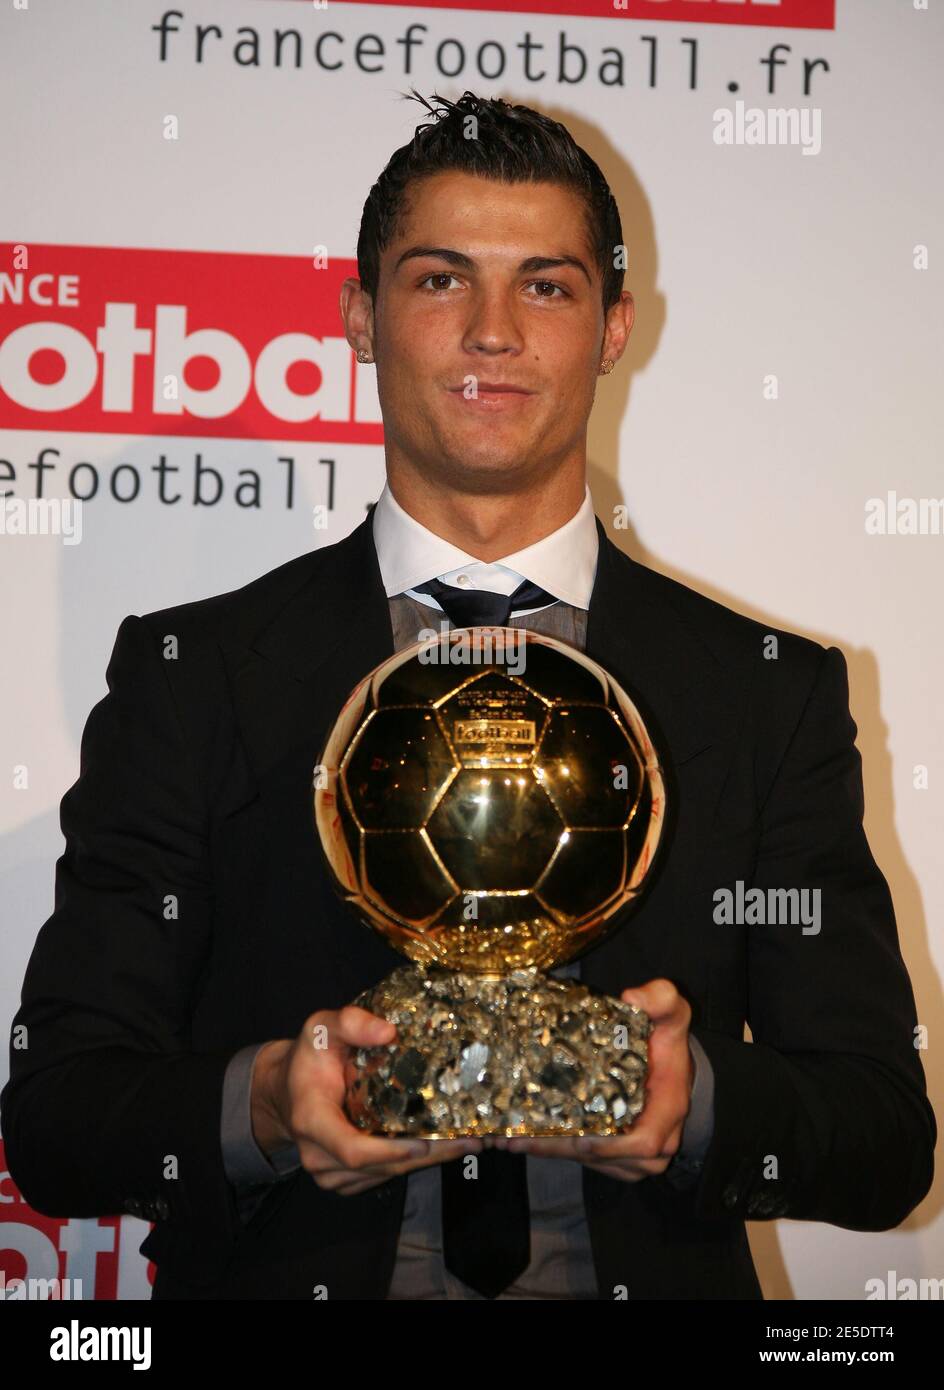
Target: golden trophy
pixel 491 802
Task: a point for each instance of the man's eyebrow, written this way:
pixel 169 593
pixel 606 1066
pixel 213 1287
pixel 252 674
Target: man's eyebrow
pixel 463 262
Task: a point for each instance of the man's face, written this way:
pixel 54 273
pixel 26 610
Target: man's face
pixel 469 312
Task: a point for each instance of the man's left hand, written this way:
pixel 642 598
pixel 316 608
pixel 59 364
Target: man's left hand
pixel 650 1145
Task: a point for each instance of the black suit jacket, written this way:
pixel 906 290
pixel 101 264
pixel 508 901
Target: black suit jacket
pixel 193 916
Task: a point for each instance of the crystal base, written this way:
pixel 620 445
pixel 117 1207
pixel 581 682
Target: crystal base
pixel 521 1054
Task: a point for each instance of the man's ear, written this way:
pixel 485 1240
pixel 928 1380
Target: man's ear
pixel 357 313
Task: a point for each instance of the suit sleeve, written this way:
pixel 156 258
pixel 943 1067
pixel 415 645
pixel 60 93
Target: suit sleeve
pixel 109 1107
pixel 824 1116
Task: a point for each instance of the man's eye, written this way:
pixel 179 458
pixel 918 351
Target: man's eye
pixel 552 284
pixel 438 275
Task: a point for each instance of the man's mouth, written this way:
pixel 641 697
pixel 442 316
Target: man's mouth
pixel 491 394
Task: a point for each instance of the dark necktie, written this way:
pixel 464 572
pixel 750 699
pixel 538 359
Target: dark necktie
pixel 478 608
pixel 486 1220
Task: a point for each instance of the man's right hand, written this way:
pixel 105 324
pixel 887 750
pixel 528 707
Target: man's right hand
pixel 298 1091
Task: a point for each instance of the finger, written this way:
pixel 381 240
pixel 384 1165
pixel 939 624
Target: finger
pixel 660 1124
pixel 667 1091
pixel 439 1151
pixel 640 1145
pixel 351 1026
pixel 383 1157
pixel 331 1129
pixel 609 1147
pixel 661 1000
pixel 601 1153
pixel 445 1150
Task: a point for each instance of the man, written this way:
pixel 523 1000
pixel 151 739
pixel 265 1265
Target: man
pixel 170 1001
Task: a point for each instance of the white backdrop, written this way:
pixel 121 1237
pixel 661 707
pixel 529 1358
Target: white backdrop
pixel 782 372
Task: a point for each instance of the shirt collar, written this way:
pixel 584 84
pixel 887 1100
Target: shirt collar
pixel 563 562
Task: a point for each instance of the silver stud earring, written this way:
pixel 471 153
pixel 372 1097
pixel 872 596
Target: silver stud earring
pixel 364 356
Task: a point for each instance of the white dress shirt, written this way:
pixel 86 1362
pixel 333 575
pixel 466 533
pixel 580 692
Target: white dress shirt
pixel 564 563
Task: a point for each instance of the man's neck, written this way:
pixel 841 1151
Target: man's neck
pixel 492 525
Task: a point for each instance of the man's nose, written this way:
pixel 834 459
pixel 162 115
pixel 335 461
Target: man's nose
pixel 493 324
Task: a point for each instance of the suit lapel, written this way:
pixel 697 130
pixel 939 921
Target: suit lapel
pixel 662 660
pixel 290 679
pixel 683 689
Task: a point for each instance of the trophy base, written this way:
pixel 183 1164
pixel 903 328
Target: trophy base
pixel 523 1054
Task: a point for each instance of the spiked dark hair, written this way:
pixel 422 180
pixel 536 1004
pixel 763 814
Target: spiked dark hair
pixel 513 144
